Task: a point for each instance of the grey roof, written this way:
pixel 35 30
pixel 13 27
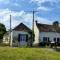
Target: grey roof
pixel 21 27
pixel 47 28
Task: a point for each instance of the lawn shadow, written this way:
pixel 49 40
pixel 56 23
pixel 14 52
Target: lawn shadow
pixel 57 49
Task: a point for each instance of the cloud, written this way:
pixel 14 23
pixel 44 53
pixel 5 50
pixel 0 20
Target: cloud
pixel 40 2
pixel 16 4
pixel 43 8
pixel 43 1
pixel 18 17
pixel 5 17
pixel 4 1
pixel 43 20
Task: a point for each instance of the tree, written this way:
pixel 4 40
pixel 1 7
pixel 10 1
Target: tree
pixel 31 38
pixel 2 31
pixel 56 23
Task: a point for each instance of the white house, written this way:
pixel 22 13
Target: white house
pixel 43 33
pixel 19 36
pixel 46 33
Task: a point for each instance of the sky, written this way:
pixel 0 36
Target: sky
pixel 20 11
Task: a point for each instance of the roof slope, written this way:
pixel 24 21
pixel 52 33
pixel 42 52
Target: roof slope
pixel 21 27
pixel 47 28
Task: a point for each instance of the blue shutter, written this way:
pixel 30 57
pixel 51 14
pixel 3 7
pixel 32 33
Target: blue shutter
pixel 18 37
pixel 26 38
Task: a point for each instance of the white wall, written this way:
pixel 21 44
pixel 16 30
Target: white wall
pixel 51 35
pixel 15 33
pixel 6 39
pixel 15 36
pixel 36 31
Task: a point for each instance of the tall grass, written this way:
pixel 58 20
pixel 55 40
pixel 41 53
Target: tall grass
pixel 9 53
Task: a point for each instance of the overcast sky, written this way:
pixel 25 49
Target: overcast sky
pixel 49 11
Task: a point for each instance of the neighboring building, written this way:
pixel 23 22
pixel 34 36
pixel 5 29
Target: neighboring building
pixel 6 38
pixel 46 33
pixel 19 36
pixel 43 33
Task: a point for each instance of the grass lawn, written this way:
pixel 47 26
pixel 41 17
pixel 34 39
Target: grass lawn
pixel 9 53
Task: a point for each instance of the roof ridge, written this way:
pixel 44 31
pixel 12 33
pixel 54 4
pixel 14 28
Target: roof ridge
pixel 45 24
pixel 22 24
pixel 47 28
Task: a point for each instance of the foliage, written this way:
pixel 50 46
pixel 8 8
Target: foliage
pixel 9 53
pixel 4 44
pixel 15 39
pixel 31 38
pixel 31 35
pixel 2 30
pixel 56 23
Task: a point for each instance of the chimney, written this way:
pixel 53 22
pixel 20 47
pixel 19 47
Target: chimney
pixel 36 21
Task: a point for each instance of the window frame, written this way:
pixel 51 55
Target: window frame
pixel 46 39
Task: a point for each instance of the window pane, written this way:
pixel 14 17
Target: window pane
pixel 54 39
pixel 22 37
pixel 44 39
pixel 58 39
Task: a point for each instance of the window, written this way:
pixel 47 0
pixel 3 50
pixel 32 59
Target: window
pixel 22 37
pixel 45 39
pixel 58 40
pixel 54 39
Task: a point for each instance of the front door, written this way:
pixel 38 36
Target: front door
pixel 23 39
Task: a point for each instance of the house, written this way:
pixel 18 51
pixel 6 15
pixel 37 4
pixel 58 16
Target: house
pixel 19 36
pixel 46 33
pixel 43 33
pixel 6 38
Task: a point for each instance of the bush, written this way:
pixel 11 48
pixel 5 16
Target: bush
pixel 4 44
pixel 43 44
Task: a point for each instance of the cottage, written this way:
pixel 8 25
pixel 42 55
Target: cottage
pixel 46 33
pixel 19 36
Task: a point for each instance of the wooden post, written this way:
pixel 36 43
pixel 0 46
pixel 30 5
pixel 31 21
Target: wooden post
pixel 10 32
pixel 33 22
pixel 33 28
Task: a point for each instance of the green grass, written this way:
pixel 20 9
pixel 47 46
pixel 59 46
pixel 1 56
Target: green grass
pixel 9 53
